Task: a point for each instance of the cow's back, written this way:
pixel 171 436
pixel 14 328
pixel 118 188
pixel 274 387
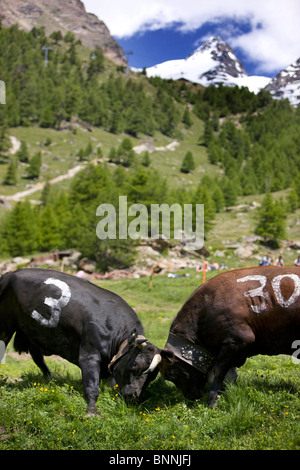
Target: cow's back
pixel 57 311
pixel 261 304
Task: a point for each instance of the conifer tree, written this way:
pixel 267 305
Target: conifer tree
pixel 208 135
pixel 56 36
pixel 49 234
pixel 186 119
pixel 21 230
pixel 96 63
pixel 5 143
pixel 202 196
pixel 271 220
pixel 34 168
pixel 292 200
pixel 188 163
pixel 146 160
pixel 22 153
pixel 46 193
pixel 11 173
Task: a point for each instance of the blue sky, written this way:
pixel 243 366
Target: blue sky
pixel 264 34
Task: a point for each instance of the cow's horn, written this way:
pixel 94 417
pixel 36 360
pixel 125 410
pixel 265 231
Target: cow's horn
pixel 155 361
pixel 140 340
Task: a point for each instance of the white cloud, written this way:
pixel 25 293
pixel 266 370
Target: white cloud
pixel 273 41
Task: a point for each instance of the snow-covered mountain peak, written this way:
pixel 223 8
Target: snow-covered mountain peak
pixel 221 53
pixel 212 43
pixel 212 63
pixel 215 45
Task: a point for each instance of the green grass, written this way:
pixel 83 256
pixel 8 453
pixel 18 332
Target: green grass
pixel 260 411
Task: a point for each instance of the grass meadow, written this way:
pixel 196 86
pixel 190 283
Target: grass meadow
pixel 259 412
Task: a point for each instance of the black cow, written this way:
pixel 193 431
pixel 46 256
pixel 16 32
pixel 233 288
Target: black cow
pixel 56 313
pixel 235 315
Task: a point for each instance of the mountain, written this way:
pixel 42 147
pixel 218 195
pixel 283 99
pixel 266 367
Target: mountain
pixel 67 15
pixel 213 62
pixel 287 84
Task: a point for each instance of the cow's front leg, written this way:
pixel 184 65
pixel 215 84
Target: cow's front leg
pixel 216 387
pixel 90 369
pixel 222 370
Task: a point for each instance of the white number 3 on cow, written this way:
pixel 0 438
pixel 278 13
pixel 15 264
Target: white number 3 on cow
pixel 55 304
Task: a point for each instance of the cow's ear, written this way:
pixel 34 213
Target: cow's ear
pixel 169 356
pixel 136 339
pixel 132 337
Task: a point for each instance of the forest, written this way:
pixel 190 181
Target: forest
pixel 252 139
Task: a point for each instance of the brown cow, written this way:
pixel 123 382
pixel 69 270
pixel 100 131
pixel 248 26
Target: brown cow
pixel 232 316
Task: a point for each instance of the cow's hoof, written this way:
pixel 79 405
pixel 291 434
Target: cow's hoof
pixel 93 411
pixel 212 405
pixel 213 402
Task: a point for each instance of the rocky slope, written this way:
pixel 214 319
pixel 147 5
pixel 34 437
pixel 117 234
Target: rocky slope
pixel 287 84
pixel 67 15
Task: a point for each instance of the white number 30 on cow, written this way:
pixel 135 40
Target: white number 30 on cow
pixel 276 286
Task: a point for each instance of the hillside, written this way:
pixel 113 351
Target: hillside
pixel 65 17
pixel 129 135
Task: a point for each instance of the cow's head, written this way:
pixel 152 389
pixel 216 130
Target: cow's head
pixel 187 378
pixel 135 366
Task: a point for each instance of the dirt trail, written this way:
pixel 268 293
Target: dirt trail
pixel 39 186
pixel 15 144
pixel 148 146
pixel 72 172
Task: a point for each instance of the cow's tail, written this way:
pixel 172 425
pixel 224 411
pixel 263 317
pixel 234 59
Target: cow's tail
pixel 4 281
pixel 7 324
pixel 21 342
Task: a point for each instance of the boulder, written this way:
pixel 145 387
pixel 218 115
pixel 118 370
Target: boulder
pixel 87 265
pixel 295 245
